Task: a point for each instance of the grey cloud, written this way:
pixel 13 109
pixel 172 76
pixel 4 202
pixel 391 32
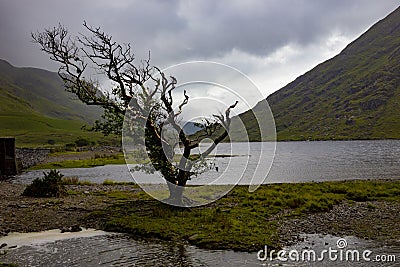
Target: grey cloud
pixel 265 26
pixel 181 30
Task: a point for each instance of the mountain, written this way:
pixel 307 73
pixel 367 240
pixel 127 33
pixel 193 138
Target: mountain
pixel 354 95
pixel 35 108
pixel 190 127
pixel 43 92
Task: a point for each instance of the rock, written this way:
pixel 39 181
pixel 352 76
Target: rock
pixel 193 237
pixel 71 229
pixel 76 228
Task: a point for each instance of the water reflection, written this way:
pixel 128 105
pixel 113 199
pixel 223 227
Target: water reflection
pixel 122 250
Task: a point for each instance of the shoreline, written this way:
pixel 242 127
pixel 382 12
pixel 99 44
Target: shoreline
pixel 127 209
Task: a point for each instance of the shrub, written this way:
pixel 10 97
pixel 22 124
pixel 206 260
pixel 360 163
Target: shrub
pixel 48 186
pixel 358 195
pixel 80 142
pixel 51 142
pixel 109 182
pixel 70 147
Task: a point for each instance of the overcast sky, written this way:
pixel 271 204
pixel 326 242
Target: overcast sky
pixel 272 42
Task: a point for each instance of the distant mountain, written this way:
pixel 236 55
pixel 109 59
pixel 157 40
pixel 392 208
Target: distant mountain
pixel 43 92
pixel 190 128
pixel 35 108
pixel 355 95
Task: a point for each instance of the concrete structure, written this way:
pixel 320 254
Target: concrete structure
pixel 8 163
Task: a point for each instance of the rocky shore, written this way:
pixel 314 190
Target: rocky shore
pixel 377 220
pixel 26 214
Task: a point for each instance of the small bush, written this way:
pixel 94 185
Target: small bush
pixel 48 186
pixel 51 142
pixel 109 182
pixel 80 142
pixel 70 147
pixel 358 195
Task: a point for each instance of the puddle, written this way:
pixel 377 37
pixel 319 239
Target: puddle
pixel 37 238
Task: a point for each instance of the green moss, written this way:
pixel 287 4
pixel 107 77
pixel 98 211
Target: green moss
pixel 241 220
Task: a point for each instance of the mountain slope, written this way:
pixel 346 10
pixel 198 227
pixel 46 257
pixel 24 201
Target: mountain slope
pixel 35 108
pixel 355 95
pixel 44 92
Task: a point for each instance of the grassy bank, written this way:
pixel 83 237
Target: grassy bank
pixel 82 163
pixel 241 220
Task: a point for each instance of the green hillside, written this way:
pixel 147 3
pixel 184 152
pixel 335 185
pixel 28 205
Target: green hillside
pixel 35 108
pixel 355 95
pixel 44 91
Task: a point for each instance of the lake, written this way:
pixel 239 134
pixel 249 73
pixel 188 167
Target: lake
pixel 293 162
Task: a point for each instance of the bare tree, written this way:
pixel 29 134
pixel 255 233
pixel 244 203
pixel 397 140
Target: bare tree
pixel 150 106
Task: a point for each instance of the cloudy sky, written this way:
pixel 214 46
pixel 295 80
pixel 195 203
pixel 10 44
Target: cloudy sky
pixel 271 41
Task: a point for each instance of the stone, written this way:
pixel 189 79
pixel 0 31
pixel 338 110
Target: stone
pixel 193 237
pixel 75 228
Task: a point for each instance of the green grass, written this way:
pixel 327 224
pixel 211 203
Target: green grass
pixel 240 220
pixel 111 182
pixel 74 181
pixel 82 163
pixel 34 130
pixel 35 108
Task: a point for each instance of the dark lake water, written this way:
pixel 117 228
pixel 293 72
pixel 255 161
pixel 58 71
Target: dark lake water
pixel 293 162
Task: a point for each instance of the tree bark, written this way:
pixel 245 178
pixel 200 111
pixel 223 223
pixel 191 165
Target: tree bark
pixel 175 194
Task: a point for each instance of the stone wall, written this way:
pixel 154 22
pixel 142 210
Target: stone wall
pixel 28 157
